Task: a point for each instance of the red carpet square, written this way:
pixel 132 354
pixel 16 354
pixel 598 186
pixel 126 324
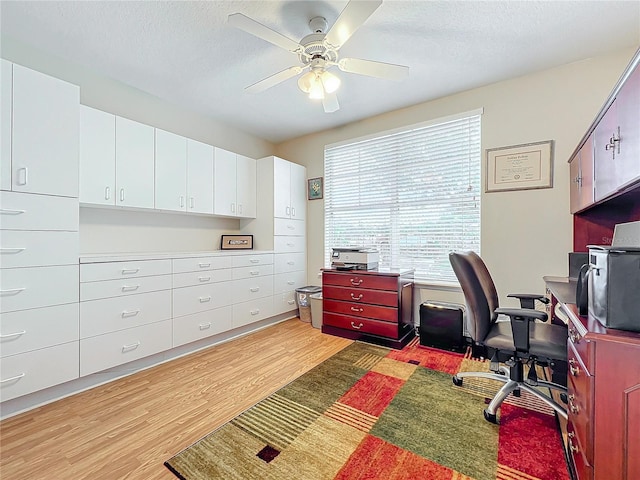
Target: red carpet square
pixel 441 360
pixel 372 393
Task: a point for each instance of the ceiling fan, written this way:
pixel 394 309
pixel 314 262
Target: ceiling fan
pixel 318 52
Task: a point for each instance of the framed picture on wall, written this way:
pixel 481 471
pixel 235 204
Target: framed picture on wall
pixel 314 188
pixel 520 167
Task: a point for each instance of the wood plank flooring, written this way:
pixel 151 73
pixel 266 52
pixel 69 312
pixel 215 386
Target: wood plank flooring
pixel 126 429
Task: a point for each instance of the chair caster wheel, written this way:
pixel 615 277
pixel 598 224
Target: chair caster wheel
pixel 489 417
pixel 456 381
pixel 564 398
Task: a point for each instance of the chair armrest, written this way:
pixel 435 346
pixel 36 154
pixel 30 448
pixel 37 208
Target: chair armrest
pixel 520 319
pixel 527 300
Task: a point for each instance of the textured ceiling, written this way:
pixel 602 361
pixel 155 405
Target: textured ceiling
pixel 184 51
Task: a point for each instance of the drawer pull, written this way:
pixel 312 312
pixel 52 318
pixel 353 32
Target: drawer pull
pixel 204 279
pixel 204 265
pixel 130 271
pixel 357 309
pixel 575 371
pixel 13 379
pixel 291 263
pixel 574 336
pixel 128 348
pixel 358 327
pixel 254 289
pixel 205 299
pixel 254 260
pixel 255 312
pixel 356 281
pixel 4 211
pixel 12 250
pixel 291 302
pixel 204 326
pixel 291 244
pixel 191 202
pixel 290 282
pixel 255 272
pixel 129 313
pixel 353 297
pixel 572 406
pixel 11 335
pixel 291 227
pixel 130 288
pixel 12 291
pixel 572 447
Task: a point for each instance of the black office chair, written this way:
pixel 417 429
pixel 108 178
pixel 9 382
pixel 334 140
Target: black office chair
pixel 520 341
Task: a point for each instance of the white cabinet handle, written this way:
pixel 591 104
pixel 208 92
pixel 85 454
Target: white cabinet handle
pixel 205 299
pixel 129 313
pixel 204 279
pixel 181 201
pixel 233 208
pixel 239 208
pixel 291 244
pixel 291 227
pixel 122 194
pixel 12 291
pixel 130 288
pixel 288 210
pixel 254 260
pixel 11 335
pixel 291 302
pixel 204 265
pixel 11 379
pixel 291 263
pixel 130 271
pixel 293 211
pixel 254 289
pixel 204 326
pixel 22 176
pixel 290 282
pixel 12 250
pixel 4 211
pixel 191 202
pixel 254 272
pixel 128 348
pixel 107 193
pixel 255 312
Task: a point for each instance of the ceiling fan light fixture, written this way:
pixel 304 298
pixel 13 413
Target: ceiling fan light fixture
pixel 306 81
pixel 330 81
pixel 316 91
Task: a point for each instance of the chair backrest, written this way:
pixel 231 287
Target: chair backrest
pixel 479 292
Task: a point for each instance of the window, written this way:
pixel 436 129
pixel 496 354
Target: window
pixel 413 194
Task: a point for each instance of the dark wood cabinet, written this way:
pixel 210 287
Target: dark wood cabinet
pixel 581 171
pixel 372 306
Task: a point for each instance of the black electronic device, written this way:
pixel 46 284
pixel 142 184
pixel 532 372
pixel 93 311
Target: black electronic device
pixel 442 326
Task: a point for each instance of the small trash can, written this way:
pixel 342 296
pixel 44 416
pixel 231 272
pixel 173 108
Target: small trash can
pixel 316 309
pixel 304 302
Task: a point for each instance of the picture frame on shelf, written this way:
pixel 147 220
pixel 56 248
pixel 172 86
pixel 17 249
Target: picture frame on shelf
pixel 236 242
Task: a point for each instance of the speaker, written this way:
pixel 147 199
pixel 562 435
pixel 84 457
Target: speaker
pixel 442 325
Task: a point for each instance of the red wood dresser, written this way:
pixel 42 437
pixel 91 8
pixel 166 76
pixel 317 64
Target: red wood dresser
pixel 373 305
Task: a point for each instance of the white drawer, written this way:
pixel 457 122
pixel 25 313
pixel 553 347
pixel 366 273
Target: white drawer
pixel 284 282
pixel 250 288
pixel 117 288
pixel 32 371
pixel 288 244
pixel 197 299
pixel 34 287
pixel 250 272
pixel 37 249
pixel 199 264
pixel 93 272
pixel 190 328
pixel 250 260
pixel 290 262
pixel 200 278
pixel 27 330
pixel 111 314
pixel 285 226
pixel 26 211
pixel 105 351
pixel 284 302
pixel 253 311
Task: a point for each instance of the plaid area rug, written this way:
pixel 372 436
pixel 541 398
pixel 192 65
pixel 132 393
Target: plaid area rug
pixel 371 412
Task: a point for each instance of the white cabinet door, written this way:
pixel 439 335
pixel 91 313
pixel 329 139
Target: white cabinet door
pixel 6 81
pixel 224 180
pixel 97 156
pixel 134 163
pixel 171 171
pixel 281 188
pixel 298 191
pixel 199 177
pixel 45 131
pixel 246 186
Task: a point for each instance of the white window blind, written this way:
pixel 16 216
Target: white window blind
pixel 414 195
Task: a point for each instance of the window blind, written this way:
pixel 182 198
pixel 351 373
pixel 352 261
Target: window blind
pixel 414 195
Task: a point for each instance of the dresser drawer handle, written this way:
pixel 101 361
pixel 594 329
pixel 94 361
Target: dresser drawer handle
pixel 291 244
pixel 130 271
pixel 255 312
pixel 575 371
pixel 357 327
pixel 204 265
pixel 12 250
pixel 291 227
pixel 13 379
pixel 128 348
pixel 130 288
pixel 357 310
pixel 11 335
pixel 254 272
pixel 572 447
pixel 254 260
pixel 290 282
pixel 291 263
pixel 205 299
pixel 574 336
pixel 129 313
pixel 572 406
pixel 291 302
pixel 204 326
pixel 353 297
pixel 12 291
pixel 4 211
pixel 356 281
pixel 204 279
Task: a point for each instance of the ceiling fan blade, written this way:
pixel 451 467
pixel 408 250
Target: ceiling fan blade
pixel 249 25
pixel 373 69
pixel 273 80
pixel 349 20
pixel 330 102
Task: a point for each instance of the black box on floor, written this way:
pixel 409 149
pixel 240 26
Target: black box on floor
pixel 442 326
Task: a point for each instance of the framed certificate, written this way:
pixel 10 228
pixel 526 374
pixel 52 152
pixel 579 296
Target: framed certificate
pixel 520 167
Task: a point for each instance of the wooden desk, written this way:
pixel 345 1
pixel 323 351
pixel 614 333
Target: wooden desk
pixel 603 428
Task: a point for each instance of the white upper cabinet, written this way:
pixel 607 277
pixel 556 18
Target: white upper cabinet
pixel 134 164
pixel 6 80
pixel 44 134
pixel 289 189
pixel 234 185
pixel 199 177
pixel 97 156
pixel 171 171
pixel 246 186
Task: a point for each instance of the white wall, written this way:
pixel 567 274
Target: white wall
pixel 525 234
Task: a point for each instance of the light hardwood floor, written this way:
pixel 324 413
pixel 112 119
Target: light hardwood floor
pixel 129 427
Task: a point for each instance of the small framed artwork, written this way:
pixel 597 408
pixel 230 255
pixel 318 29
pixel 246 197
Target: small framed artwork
pixel 236 242
pixel 314 188
pixel 520 167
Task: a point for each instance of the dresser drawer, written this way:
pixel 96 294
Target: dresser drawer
pixel 288 244
pixel 290 262
pixel 284 302
pixel 387 314
pixel 373 282
pixel 285 282
pixel 189 328
pixel 94 272
pixel 252 288
pixel 117 288
pixel 38 249
pixel 201 298
pixel 105 351
pixel 190 279
pixel 583 347
pixel 32 371
pixel 25 211
pixel 107 315
pixel 286 226
pixel 580 397
pixel 359 324
pixel 584 470
pixel 252 311
pixel 27 330
pixel 181 265
pixel 250 272
pixel 361 295
pixel 249 260
pixel 35 287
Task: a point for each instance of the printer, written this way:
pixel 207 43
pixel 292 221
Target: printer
pixel 354 258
